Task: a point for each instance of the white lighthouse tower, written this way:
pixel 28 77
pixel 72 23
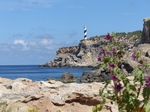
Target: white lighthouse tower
pixel 85 32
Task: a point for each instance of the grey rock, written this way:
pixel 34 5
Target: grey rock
pixel 95 76
pixel 67 77
pixel 146 31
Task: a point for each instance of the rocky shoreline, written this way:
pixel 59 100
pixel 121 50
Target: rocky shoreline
pixel 23 94
pixel 47 96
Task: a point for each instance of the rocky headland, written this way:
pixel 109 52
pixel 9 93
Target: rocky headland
pixel 85 54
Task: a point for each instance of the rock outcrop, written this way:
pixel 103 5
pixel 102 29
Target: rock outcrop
pixel 146 31
pixel 22 94
pixel 26 94
pixel 83 55
pixel 95 76
pixel 67 77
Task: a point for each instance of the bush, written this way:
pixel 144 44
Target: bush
pixel 124 94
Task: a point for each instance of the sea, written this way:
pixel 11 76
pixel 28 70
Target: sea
pixel 36 73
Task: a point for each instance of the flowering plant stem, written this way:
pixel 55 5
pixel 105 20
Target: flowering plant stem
pixel 125 93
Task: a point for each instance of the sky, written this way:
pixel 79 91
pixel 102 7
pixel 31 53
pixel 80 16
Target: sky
pixel 32 30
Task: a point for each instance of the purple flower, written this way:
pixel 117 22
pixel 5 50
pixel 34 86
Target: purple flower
pixel 147 81
pixel 112 66
pixel 114 78
pixel 118 87
pixel 103 51
pixel 120 40
pixel 124 42
pixel 111 52
pixel 147 84
pixel 119 64
pixel 107 37
pixel 146 75
pixel 146 69
pixel 120 56
pixel 115 48
pixel 133 55
pixel 99 58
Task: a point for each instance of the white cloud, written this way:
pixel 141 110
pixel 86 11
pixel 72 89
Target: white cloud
pixel 46 41
pixel 22 52
pixel 40 45
pixel 21 42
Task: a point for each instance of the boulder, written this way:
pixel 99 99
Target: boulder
pixel 95 76
pixel 67 77
pixel 146 31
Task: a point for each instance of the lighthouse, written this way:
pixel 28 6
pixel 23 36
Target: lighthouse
pixel 85 32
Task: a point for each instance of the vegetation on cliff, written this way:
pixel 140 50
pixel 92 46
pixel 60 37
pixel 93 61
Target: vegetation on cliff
pixel 137 34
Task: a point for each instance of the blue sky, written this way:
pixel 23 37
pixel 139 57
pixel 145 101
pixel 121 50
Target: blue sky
pixel 32 30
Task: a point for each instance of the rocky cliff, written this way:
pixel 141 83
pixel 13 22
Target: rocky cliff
pixel 85 54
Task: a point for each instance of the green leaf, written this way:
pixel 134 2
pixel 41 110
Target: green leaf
pixel 102 65
pixel 116 70
pixel 101 91
pixel 132 87
pixel 147 107
pixel 138 54
pixel 94 109
pixel 146 93
pixel 97 108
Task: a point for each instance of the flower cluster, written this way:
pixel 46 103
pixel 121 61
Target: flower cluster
pixel 99 58
pixel 108 37
pixel 147 81
pixel 112 65
pixel 125 94
pixel 114 78
pixel 133 55
pixel 118 87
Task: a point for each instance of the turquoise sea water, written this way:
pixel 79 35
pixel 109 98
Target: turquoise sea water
pixel 36 73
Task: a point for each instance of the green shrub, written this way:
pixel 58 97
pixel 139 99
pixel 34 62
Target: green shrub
pixel 124 94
